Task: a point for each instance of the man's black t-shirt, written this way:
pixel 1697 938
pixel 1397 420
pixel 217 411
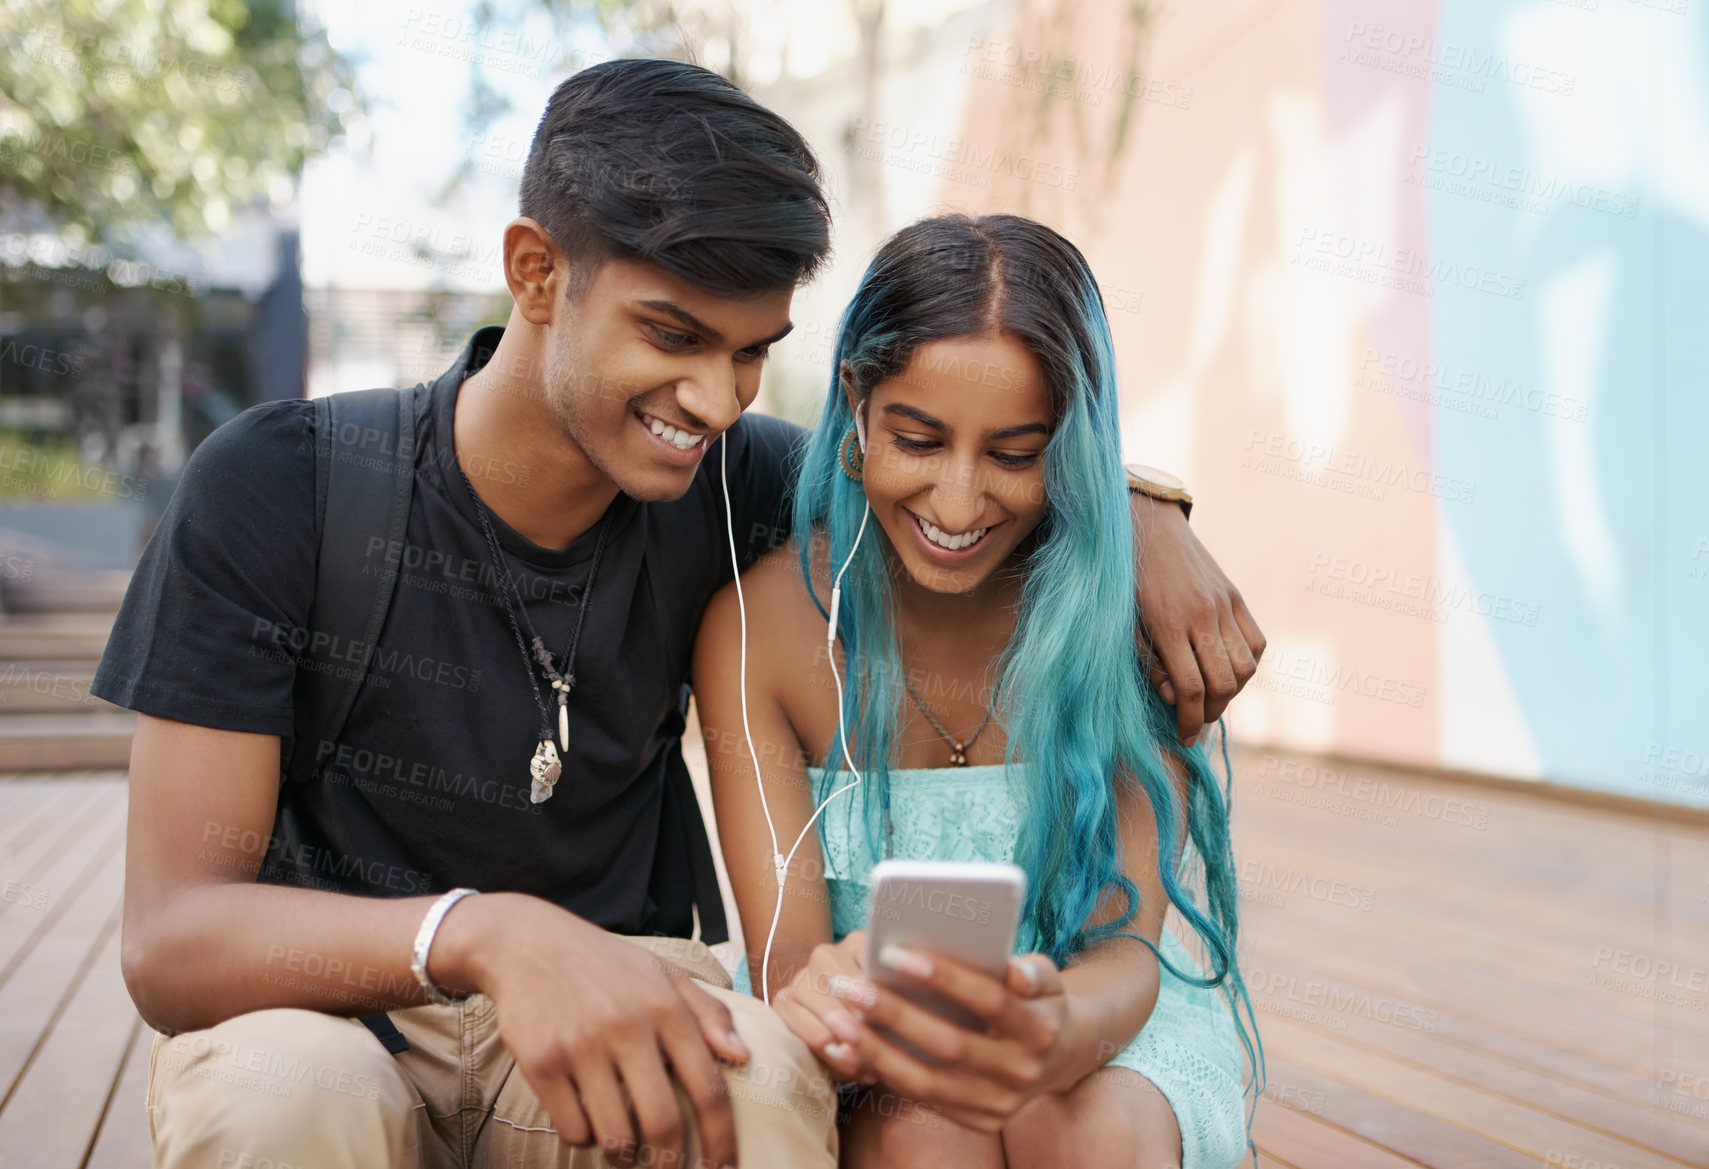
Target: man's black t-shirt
pixel 428 786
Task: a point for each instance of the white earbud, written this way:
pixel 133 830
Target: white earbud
pixel 860 427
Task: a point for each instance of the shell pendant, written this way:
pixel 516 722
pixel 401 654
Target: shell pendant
pixel 545 769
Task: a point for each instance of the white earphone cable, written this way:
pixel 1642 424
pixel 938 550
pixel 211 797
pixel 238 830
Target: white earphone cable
pixel 780 862
pixel 742 609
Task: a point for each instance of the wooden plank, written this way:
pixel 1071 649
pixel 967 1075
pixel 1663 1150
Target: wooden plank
pixel 1537 1011
pixel 1578 885
pixel 1270 1161
pixel 1485 1022
pixel 1591 1101
pixel 62 742
pixel 51 1116
pixel 1305 1139
pixel 1501 869
pixel 1396 1126
pixel 54 637
pixel 21 932
pixel 1595 800
pixel 1568 1001
pixel 1591 1092
pixel 14 790
pixel 1267 784
pixel 1431 1094
pixel 1478 881
pixel 1502 1006
pixel 37 990
pixel 123 1141
pixel 1299 920
pixel 34 687
pixel 1492 940
pixel 1524 929
pixel 36 813
pixel 53 838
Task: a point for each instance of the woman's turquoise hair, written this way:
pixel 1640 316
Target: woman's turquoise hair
pixel 1073 696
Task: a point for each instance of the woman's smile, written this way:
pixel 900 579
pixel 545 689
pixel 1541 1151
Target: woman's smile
pixel 951 547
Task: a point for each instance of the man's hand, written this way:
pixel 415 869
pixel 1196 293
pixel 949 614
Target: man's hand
pixel 1197 640
pixel 599 1027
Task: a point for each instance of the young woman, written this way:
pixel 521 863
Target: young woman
pixel 985 688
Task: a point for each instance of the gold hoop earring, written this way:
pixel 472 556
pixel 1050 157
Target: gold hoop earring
pixel 851 456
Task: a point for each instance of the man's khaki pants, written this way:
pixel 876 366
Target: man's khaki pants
pixel 299 1089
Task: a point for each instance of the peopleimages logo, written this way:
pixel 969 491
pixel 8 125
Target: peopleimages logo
pixel 1050 73
pixel 1515 187
pixel 1641 975
pixel 1279 777
pixel 916 149
pixel 342 657
pixel 1412 54
pixel 1262 877
pixel 1348 471
pixel 1464 388
pixel 1309 676
pixel 1404 269
pixel 1409 593
pixel 227 843
pixel 1278 990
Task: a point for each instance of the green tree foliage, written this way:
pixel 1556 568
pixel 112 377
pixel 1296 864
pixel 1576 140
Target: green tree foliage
pixel 119 112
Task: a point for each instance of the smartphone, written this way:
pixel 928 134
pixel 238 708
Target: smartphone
pixel 968 911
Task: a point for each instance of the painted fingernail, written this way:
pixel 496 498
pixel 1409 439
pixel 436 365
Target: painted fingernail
pixel 1027 972
pixel 1191 739
pixel 858 994
pixel 736 1042
pixel 905 961
pixel 844 1027
pixel 838 1052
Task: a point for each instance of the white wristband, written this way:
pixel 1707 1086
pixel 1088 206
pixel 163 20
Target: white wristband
pixel 424 943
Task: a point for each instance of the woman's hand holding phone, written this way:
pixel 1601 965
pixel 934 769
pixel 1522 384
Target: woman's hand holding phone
pixel 982 1078
pixel 811 1008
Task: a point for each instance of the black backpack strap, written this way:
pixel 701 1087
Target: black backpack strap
pixel 364 477
pixel 386 1032
pixel 708 898
pixel 682 828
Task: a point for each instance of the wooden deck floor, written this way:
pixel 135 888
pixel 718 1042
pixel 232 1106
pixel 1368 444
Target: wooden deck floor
pixel 1471 983
pixel 73 1053
pixel 1446 976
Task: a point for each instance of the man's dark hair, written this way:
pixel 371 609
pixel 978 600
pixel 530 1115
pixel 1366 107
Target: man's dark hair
pixel 672 164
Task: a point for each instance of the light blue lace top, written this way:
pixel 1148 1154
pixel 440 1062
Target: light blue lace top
pixel 1188 1048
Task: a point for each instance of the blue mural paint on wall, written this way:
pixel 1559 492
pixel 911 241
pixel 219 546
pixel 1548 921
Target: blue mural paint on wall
pixel 1589 539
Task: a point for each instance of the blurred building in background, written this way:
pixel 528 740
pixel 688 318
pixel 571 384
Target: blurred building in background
pixel 133 361
pixel 1412 294
pixel 150 270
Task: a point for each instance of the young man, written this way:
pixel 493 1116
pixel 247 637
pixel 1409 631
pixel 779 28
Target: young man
pixel 561 473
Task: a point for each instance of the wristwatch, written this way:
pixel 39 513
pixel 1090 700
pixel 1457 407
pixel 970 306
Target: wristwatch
pixel 1159 485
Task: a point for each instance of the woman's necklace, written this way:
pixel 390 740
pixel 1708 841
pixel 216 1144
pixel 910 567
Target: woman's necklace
pixel 545 767
pixel 957 752
pixel 957 747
